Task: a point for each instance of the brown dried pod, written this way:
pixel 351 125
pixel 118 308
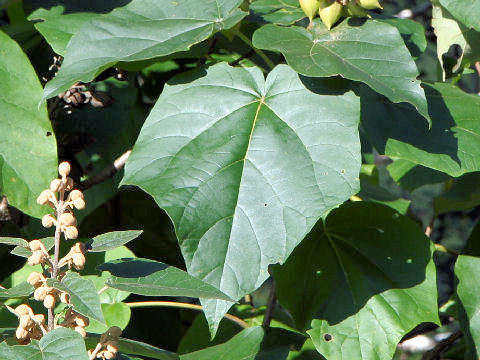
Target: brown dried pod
pixel 69 184
pixel 48 221
pixel 57 185
pixel 64 168
pixel 71 232
pixel 49 301
pixel 67 219
pixel 114 331
pixel 22 333
pixel 23 309
pixel 25 322
pixel 35 278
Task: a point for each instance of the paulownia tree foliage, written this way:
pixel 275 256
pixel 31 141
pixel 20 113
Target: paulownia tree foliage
pixel 239 179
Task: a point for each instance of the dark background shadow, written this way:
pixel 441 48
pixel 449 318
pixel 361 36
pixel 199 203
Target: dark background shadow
pixel 75 6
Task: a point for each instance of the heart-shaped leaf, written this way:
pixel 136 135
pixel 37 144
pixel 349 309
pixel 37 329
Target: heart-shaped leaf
pixel 28 152
pixel 281 12
pixel 467 11
pixel 244 167
pixel 58 344
pixel 373 53
pixel 153 278
pixel 364 273
pixel 141 30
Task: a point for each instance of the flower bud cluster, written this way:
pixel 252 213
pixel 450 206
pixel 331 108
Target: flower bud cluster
pixel 75 257
pixel 30 326
pixel 45 293
pixel 75 321
pixel 39 253
pixel 107 348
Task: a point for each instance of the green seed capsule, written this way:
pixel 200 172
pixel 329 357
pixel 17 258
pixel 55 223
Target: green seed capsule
pixel 331 14
pixel 355 10
pixel 369 4
pixel 310 7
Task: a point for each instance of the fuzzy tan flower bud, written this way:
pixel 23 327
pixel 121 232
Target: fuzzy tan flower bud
pixel 81 331
pixel 75 194
pixel 38 257
pixel 65 298
pixel 64 168
pixel 49 301
pixel 44 197
pixel 109 355
pixel 40 293
pixel 35 278
pixel 35 245
pixel 71 232
pixel 79 204
pixel 57 185
pixel 67 219
pixel 23 309
pixel 78 260
pixel 79 248
pixel 69 184
pixel 48 221
pixel 25 322
pixel 21 333
pixel 82 321
pixel 40 318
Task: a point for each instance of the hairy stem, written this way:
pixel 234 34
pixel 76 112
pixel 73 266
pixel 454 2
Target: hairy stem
pixel 173 304
pixel 259 52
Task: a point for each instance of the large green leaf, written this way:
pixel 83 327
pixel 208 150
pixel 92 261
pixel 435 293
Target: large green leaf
pixel 251 344
pixel 365 276
pixel 411 176
pixel 83 295
pixel 452 145
pixel 354 51
pixel 20 291
pixel 13 241
pixel 112 240
pixel 454 41
pixel 28 152
pixel 244 167
pixel 141 30
pixel 467 11
pixel 466 270
pixel 153 278
pixel 282 12
pixel 117 314
pixel 58 344
pixel 463 194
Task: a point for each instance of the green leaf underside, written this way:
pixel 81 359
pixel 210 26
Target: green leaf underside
pixel 141 30
pixel 250 344
pixel 466 270
pixel 281 12
pixel 152 278
pixel 467 11
pixel 112 240
pixel 133 347
pixel 356 52
pixel 28 151
pixel 83 295
pixel 452 145
pixel 366 278
pixel 279 155
pixel 13 241
pixel 58 344
pixel 20 291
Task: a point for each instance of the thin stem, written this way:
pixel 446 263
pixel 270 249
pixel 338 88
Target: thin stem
pixel 259 52
pixel 442 346
pixel 140 304
pixel 272 302
pixel 441 248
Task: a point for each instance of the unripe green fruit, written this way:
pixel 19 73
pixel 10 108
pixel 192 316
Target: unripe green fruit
pixel 369 4
pixel 310 7
pixel 331 14
pixel 355 10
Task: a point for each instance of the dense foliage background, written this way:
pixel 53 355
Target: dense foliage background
pixel 319 186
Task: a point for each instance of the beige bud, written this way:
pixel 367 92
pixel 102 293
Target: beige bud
pixel 38 257
pixel 81 331
pixel 40 318
pixel 21 333
pixel 44 197
pixel 48 221
pixel 112 346
pixel 65 298
pixel 40 293
pixel 35 278
pixel 57 185
pixel 75 194
pixel 109 355
pixel 79 204
pixel 82 321
pixel 71 232
pixel 78 260
pixel 64 168
pixel 49 301
pixel 67 219
pixel 78 248
pixel 35 245
pixel 23 309
pixel 69 184
pixel 26 322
